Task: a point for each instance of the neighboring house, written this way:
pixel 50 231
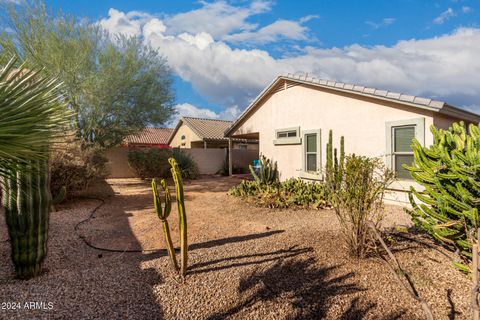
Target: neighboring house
pixel 206 133
pixel 291 119
pixel 150 138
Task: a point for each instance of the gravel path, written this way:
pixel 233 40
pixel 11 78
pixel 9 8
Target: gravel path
pixel 245 263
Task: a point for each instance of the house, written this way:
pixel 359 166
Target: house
pixel 150 138
pixel 206 133
pixel 292 117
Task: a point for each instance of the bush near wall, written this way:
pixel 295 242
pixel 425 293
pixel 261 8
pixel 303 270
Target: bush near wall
pixel 75 168
pixel 153 162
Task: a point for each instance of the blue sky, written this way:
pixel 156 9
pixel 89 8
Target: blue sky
pixel 224 53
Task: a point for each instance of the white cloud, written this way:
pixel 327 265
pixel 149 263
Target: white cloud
pixel 443 67
pixel 466 9
pixel 278 30
pixel 129 24
pixel 444 16
pixel 385 22
pixel 216 18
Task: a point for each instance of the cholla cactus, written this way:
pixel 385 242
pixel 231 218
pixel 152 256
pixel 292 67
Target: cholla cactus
pixel 449 170
pixel 182 215
pixel 26 199
pixel 268 172
pixel 163 214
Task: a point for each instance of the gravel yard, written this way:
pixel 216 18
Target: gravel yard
pixel 245 263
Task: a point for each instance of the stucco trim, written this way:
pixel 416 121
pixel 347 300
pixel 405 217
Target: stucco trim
pixel 419 124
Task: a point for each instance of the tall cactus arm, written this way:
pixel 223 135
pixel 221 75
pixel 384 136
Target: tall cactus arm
pixel 163 215
pixel 177 178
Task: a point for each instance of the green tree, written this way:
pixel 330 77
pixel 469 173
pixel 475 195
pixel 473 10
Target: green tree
pixel 115 85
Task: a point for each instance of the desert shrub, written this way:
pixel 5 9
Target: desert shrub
pixel 153 162
pixel 188 166
pixel 74 167
pixel 358 200
pixel 149 162
pixel 449 170
pixel 292 193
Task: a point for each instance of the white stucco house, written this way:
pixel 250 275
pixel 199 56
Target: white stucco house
pixel 291 119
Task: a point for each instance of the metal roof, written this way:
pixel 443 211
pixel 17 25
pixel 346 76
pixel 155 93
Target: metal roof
pixel 151 136
pixel 405 99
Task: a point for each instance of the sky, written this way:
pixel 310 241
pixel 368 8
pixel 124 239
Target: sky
pixel 224 53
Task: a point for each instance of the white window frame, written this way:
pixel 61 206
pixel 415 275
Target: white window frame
pixel 309 174
pixel 287 140
pixel 417 123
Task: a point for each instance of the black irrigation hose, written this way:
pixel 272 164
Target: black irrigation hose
pixel 102 203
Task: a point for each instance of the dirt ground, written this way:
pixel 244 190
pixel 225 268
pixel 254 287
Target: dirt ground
pixel 244 263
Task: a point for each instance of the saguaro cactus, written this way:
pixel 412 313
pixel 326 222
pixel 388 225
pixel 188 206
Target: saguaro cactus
pixel 163 214
pixel 26 199
pixel 182 216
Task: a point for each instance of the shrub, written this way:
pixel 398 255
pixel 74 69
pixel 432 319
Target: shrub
pixel 358 200
pixel 153 162
pixel 188 166
pixel 235 170
pixel 73 168
pixel 149 162
pixel 291 193
pixel 449 170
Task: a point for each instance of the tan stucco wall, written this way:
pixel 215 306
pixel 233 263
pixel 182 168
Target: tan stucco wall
pixel 360 120
pixel 189 137
pixel 117 164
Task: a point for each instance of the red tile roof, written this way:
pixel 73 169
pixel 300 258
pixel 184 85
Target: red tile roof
pixel 151 136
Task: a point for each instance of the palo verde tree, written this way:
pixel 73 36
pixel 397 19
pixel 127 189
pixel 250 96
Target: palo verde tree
pixel 116 85
pixel 449 170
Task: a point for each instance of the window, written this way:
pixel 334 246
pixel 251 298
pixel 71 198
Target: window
pixel 287 136
pixel 311 151
pixel 183 137
pixel 242 146
pixel 402 152
pixel 399 138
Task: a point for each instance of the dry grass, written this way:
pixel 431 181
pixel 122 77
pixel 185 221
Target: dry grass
pixel 245 263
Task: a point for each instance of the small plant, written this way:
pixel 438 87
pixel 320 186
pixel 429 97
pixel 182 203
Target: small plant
pixel 359 199
pixel 267 173
pixel 165 212
pixel 449 170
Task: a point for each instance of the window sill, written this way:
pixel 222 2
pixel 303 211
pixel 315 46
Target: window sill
pixel 283 141
pixel 404 185
pixel 310 176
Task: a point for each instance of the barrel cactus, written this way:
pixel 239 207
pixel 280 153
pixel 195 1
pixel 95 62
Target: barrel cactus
pixel 449 171
pixel 163 214
pixel 27 201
